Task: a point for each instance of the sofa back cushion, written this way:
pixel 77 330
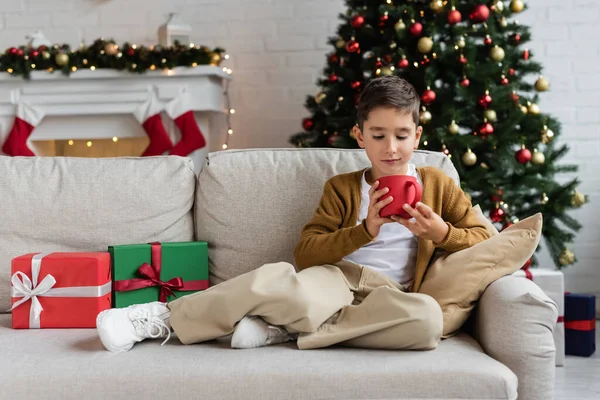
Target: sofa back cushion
pixel 251 205
pixel 85 204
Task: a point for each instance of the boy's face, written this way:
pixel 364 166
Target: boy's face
pixel 389 139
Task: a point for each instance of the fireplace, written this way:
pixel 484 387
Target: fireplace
pixel 91 113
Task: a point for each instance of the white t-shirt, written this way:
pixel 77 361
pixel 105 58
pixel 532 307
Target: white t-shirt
pixel 394 252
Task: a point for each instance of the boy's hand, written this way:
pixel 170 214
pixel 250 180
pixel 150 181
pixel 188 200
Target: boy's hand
pixel 374 221
pixel 425 223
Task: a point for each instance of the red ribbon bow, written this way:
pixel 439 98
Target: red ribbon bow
pixel 151 274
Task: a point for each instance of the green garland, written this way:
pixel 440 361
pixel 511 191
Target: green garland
pixel 105 54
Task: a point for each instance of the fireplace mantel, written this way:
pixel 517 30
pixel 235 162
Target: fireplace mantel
pixel 105 97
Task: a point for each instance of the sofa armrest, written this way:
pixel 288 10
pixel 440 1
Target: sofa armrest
pixel 514 323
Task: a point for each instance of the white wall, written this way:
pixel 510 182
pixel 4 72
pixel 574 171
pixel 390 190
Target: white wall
pixel 278 48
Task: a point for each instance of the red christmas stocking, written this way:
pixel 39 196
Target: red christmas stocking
pixel 148 114
pixel 191 136
pixel 26 120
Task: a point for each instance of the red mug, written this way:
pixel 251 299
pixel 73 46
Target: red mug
pixel 405 189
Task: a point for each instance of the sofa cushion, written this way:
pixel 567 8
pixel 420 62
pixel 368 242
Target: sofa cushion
pixel 86 204
pixel 457 280
pixel 252 204
pixel 72 364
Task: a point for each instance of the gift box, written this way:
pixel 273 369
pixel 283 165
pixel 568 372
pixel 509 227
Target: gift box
pixel 59 290
pixel 580 324
pixel 552 283
pixel 144 273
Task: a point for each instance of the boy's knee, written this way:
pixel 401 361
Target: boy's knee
pixel 430 324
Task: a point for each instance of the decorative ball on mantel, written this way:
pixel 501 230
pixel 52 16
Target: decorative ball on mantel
pixel 62 59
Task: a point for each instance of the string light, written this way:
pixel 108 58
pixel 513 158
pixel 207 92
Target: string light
pixel 71 143
pixel 89 144
pixel 115 139
pixel 93 68
pixel 227 107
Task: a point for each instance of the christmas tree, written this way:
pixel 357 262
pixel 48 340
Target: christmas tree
pixel 480 87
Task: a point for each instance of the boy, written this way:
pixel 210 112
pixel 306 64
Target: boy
pixel 359 274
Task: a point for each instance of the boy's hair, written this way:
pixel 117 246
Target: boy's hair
pixel 388 91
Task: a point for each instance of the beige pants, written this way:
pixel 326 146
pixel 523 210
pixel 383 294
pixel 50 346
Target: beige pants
pixel 342 304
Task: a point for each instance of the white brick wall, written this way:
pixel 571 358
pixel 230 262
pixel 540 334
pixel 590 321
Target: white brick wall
pixel 278 49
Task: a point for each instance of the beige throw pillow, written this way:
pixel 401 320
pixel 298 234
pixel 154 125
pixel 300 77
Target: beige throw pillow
pixel 457 280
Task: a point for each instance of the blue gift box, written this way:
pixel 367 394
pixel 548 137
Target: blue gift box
pixel 580 324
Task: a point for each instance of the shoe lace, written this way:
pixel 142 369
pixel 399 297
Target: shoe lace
pixel 149 325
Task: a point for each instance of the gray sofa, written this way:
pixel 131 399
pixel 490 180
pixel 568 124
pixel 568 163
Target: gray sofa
pixel 250 206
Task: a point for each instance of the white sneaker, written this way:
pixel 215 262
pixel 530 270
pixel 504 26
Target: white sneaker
pixel 254 331
pixel 120 328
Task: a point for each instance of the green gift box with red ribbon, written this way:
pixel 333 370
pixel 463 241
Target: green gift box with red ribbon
pixel 143 273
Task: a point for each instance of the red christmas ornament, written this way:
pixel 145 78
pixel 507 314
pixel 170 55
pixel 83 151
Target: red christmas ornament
pixel 130 52
pixel 497 214
pixel 526 54
pixel 20 52
pixel 333 59
pixel 463 60
pixel 515 97
pixel 383 20
pixel 465 82
pixel 378 64
pixel 504 81
pixel 523 156
pixel 485 100
pixel 416 29
pixel 307 124
pixel 355 85
pixel 454 17
pixel 428 97
pixel 488 40
pixel 352 46
pixel 486 129
pixel 515 38
pixel 506 225
pixel 527 263
pixel 403 63
pixel 511 72
pixel 333 78
pixel 12 51
pixel 480 13
pixel 357 21
pixel 425 61
pixel 34 53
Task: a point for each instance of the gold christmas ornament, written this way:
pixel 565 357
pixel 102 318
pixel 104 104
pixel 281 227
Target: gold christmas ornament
pixel 523 109
pixel 498 7
pixel 537 158
pixel 319 97
pixel 400 26
pixel 503 22
pixel 46 55
pixel 542 84
pixel 547 135
pixel 453 128
pixel 111 49
pixel 490 115
pixel 469 158
pixel 340 43
pixel 424 116
pixel 386 71
pixel 578 199
pixel 425 44
pixel 516 6
pixel 437 6
pixel 215 59
pixel 461 43
pixel 533 108
pixel 497 53
pixel 62 59
pixel 566 257
pixel 544 199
